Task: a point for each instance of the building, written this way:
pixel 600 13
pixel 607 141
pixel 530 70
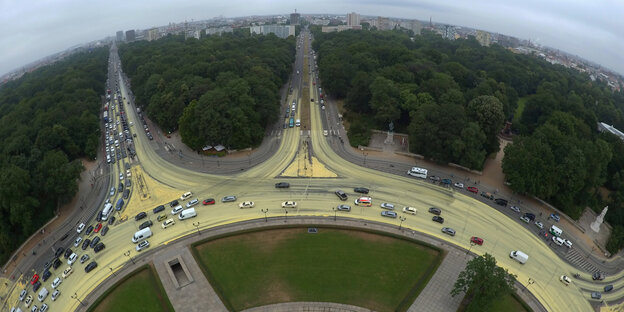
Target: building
pixel 153 34
pixel 484 38
pixel 412 25
pixel 602 127
pixel 130 36
pixel 353 19
pixel 294 18
pixel 449 32
pixel 120 36
pixel 384 23
pixel 327 29
pixel 282 31
pixel 218 30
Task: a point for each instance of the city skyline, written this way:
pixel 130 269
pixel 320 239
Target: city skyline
pixel 583 28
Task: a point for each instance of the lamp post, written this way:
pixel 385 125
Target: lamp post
pixel 285 215
pixel 334 209
pixel 196 225
pixel 249 157
pixel 402 218
pixel 75 296
pixel 113 272
pixel 127 254
pixel 265 214
pixel 471 244
pixel 531 282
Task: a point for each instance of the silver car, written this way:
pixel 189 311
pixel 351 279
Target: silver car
pixel 448 231
pixel 229 198
pixel 142 245
pixel 343 207
pixel 387 206
pixel 389 214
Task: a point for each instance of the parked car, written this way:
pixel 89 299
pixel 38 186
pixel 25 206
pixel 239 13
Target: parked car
pixel 77 241
pixel 387 206
pixel 80 227
pixel 567 243
pixel 515 208
pixel 89 230
pixel 555 217
pixel 72 258
pixel 45 275
pixel 167 223
pixel 85 244
pixel 282 185
pixel 104 230
pixel 68 271
pixel 539 224
pixel 459 185
pixel 438 219
pixel 145 224
pixel 56 263
pixel 161 217
pixel 34 279
pixel 22 295
pixel 192 203
pixel 342 195
pixel 173 203
pixel 487 195
pixel 525 219
pixel 57 281
pixel 111 220
pixel 501 201
pixel 142 245
pixel 472 189
pixel 68 252
pixel 388 214
pixel 229 198
pixel 159 209
pixel 98 227
pixel 409 210
pixel 343 207
pixel 84 258
pixel 208 201
pixel 177 209
pixel 246 204
pixel 56 294
pixel 140 216
pixel 99 247
pixel 90 266
pixel 94 242
pixel 435 211
pixel 362 190
pixel 448 231
pixel 36 286
pixel 59 251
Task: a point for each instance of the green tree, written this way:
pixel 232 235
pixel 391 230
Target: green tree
pixel 483 282
pixel 487 111
pixel 385 100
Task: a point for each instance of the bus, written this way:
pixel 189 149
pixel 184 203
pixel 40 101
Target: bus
pixel 291 122
pixel 418 172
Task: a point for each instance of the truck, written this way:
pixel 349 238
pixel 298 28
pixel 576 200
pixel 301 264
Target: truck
pixel 106 116
pixel 141 235
pixel 187 214
pixel 107 210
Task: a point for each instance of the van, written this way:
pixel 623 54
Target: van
pixel 141 235
pixel 187 213
pixel 43 293
pixel 487 195
pixel 186 196
pixel 519 256
pixel 555 231
pixel 364 201
pixel 298 123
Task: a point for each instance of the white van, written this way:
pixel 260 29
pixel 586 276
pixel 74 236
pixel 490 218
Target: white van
pixel 298 123
pixel 555 231
pixel 519 256
pixel 141 235
pixel 186 196
pixel 43 293
pixel 187 213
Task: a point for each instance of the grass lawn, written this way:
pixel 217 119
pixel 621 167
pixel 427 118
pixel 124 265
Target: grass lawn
pixel 142 291
pixel 519 109
pixel 509 303
pixel 378 272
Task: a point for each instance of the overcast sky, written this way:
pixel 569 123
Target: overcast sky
pixel 592 29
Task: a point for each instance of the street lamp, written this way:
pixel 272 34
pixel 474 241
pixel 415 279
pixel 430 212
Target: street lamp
pixel 531 282
pixel 249 157
pixel 471 244
pixel 265 214
pixel 127 254
pixel 402 218
pixel 334 209
pixel 114 274
pixel 196 225
pixel 75 296
pixel 285 215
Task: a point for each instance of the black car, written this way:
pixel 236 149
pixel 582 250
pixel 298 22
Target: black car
pixel 342 195
pixel 99 216
pixel 529 215
pixel 47 265
pixel 90 266
pixel 89 230
pixel 111 220
pixel 126 194
pixel 99 247
pixel 104 230
pixel 598 276
pixel 59 252
pixel 36 286
pixel 173 203
pixel 128 183
pixel 159 209
pixel 608 288
pixel 67 253
pixel 435 211
pixel 56 263
pixel 145 224
pixel 140 216
pixel 94 241
pixel 362 190
pixel 282 185
pixel 121 187
pixel 85 244
pixel 46 274
pixel 501 201
pixel 438 219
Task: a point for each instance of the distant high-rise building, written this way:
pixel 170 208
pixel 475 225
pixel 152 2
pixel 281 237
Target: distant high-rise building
pixel 412 25
pixel 384 23
pixel 120 36
pixel 130 36
pixel 353 19
pixel 282 31
pixel 153 34
pixel 483 37
pixel 294 18
pixel 449 32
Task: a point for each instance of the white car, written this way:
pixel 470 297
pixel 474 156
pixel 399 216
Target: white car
pixel 23 295
pixel 121 176
pixel 72 258
pixel 539 224
pixel 55 294
pixel 177 209
pixel 515 208
pixel 128 173
pixel 558 240
pixel 167 223
pixel 28 301
pixel 410 210
pixel 247 204
pixel 142 245
pixel 565 280
pixel 289 204
pixel 525 219
pixel 57 281
pixel 67 272
pixel 387 206
pixel 80 228
pixel 325 133
pixel 458 185
pixel 567 243
pixel 77 241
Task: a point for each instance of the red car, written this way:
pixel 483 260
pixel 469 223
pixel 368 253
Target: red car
pixel 34 279
pixel 98 227
pixel 476 240
pixel 473 189
pixel 209 201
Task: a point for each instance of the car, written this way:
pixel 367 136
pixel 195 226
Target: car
pixel 59 251
pixel 289 204
pixel 140 216
pixel 46 274
pixel 80 227
pixel 567 243
pixel 388 214
pixel 128 173
pixel 448 231
pixel 22 295
pixel 186 196
pixel 99 216
pixel 608 288
pixel 434 178
pixel 435 211
pixel 515 209
pixel 77 241
pixel 208 201
pixel 159 209
pixel 476 240
pixel 90 266
pixel 89 230
pixel 112 191
pixel 84 258
pixel 85 244
pixel 36 286
pixel 104 230
pixel 282 185
pixel 28 301
pixel 57 281
pixel 94 242
pixel 539 224
pixel 487 195
pixel 438 219
pixel 557 240
pixel 362 190
pixel 67 253
pixel 56 294
pixel 229 198
pixel 173 203
pixel 325 133
pixel 555 217
pixel 447 181
pixel 121 176
pixel 342 195
pixel 34 308
pixel 98 227
pixel 111 220
pixel 525 219
pixel 161 217
pixel 246 204
pixel 343 208
pixel 44 307
pixel 68 271
pixel 176 209
pixel 47 265
pixel 472 189
pixel 387 206
pixel 529 215
pixel 596 295
pixel 598 276
pixel 145 224
pixel 167 223
pixel 409 210
pixel 72 258
pixel 142 245
pixel 192 203
pixel 458 185
pixel 56 263
pixel 501 201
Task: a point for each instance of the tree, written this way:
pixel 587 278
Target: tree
pixel 487 111
pixel 483 282
pixel 385 100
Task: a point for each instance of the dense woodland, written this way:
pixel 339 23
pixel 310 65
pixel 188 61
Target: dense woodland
pixel 49 119
pixel 216 90
pixel 453 98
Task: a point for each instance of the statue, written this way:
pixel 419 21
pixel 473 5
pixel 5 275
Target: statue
pixel 599 219
pixel 390 138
